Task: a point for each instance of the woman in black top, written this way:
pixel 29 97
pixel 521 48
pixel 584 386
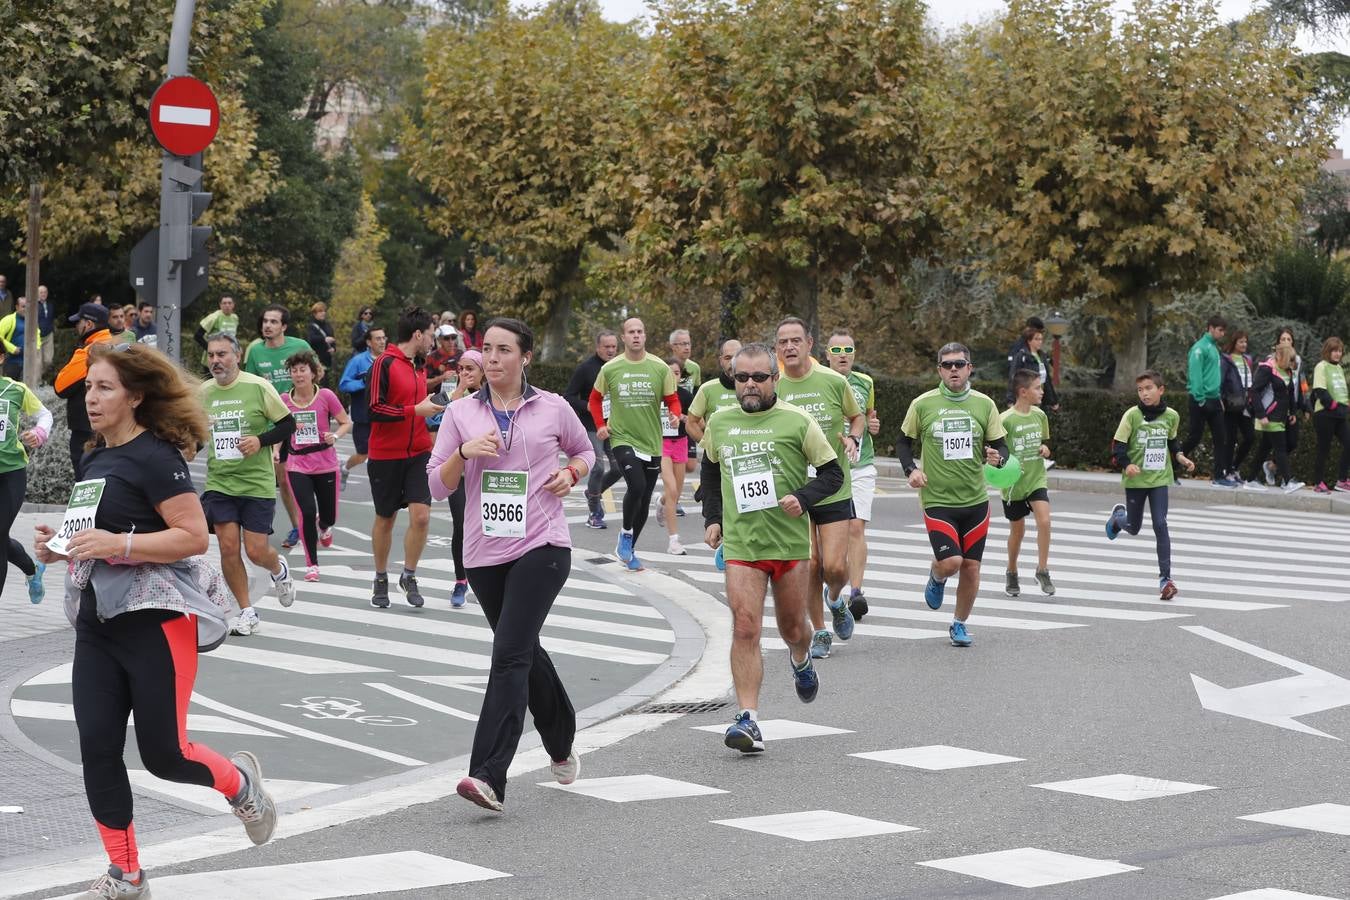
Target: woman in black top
pixel 1030 357
pixel 365 320
pixel 319 336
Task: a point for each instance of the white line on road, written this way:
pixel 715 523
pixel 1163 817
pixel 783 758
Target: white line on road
pixel 65 712
pixel 422 701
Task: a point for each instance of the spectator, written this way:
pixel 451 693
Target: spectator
pixel 91 327
pixel 319 336
pixel 1029 356
pixel 97 298
pixel 364 320
pixel 1272 402
pixel 117 327
pixel 46 320
pixel 1032 322
pixel 6 298
pixel 1300 402
pixel 470 337
pixel 578 395
pixel 1237 371
pixel 12 329
pixel 144 326
pixel 1203 381
pixel 1329 415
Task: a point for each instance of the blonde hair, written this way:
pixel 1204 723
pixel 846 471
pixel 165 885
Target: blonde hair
pixel 1283 355
pixel 317 307
pixel 169 407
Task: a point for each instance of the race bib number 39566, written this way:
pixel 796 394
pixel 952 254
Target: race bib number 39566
pixel 80 513
pixel 503 499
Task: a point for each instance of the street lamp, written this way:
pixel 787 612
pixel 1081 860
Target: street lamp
pixel 1058 326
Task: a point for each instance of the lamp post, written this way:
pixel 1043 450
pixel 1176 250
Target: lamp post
pixel 1058 326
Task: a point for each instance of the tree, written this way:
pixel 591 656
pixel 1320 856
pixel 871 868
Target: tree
pixel 358 278
pixel 1123 163
pixel 517 135
pixel 779 150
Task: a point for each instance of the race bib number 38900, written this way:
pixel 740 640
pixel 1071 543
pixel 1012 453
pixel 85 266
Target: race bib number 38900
pixel 80 513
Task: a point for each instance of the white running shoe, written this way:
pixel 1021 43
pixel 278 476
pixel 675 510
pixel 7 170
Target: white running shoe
pixel 674 548
pixel 112 885
pixel 1253 486
pixel 246 623
pixel 1268 469
pixel 283 583
pixel 567 770
pixel 1291 487
pixel 253 806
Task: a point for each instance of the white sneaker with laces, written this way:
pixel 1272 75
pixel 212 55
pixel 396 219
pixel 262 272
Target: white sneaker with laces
pixel 674 548
pixel 246 623
pixel 112 885
pixel 1291 487
pixel 1253 486
pixel 283 583
pixel 566 771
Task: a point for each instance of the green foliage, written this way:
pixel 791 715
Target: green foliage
pixel 1301 282
pixel 359 277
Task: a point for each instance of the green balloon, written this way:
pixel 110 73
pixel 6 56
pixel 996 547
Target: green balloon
pixel 1005 476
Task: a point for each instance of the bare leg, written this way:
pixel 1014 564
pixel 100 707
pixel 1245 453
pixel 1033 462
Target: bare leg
pixel 381 537
pixel 1016 531
pixel 857 551
pixel 355 460
pixel 415 540
pixel 1041 509
pixel 672 482
pixel 286 499
pixel 833 550
pixel 231 563
pixel 789 601
pixel 261 552
pixel 967 588
pixel 746 588
pixel 815 608
pixel 946 568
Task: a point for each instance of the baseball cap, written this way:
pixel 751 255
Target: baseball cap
pixel 93 312
pixel 446 331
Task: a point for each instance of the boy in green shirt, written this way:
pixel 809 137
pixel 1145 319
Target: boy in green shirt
pixel 1028 430
pixel 1144 446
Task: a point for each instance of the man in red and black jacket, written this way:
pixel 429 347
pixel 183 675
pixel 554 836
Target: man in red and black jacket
pixel 400 446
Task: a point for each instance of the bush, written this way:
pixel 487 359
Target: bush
pixel 49 473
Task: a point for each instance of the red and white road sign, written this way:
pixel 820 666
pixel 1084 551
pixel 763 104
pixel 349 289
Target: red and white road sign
pixel 184 115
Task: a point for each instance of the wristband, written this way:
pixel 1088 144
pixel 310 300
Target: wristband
pixel 576 476
pixel 460 451
pixel 126 551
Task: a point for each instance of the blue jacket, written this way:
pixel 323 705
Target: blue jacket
pixel 356 382
pixel 46 317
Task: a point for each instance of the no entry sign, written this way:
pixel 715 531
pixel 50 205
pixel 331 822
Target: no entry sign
pixel 184 115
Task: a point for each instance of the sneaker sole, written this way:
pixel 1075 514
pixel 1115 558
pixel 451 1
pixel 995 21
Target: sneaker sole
pixel 956 643
pixel 380 604
pixel 567 779
pixel 811 696
pixel 930 602
pixel 743 742
pixel 469 791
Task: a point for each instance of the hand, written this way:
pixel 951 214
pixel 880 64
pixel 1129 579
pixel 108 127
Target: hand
pixel 917 479
pixel 602 432
pixel 1185 463
pixel 873 424
pixel 672 421
pixel 95 543
pixel 276 454
pixel 1132 470
pixel 1293 420
pixel 249 445
pixel 330 438
pixel 712 536
pixel 30 439
pixel 791 505
pixel 1045 451
pixel 1263 422
pixel 851 445
pixel 991 456
pixel 560 483
pixel 427 408
pixel 486 444
pixel 41 535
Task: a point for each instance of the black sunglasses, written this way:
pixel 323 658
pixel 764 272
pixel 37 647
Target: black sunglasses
pixel 954 363
pixel 757 377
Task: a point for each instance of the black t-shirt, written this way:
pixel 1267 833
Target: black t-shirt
pixel 139 474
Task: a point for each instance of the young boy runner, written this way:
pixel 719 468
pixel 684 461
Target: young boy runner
pixel 1028 430
pixel 1145 445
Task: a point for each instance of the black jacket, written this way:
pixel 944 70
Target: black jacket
pixel 1272 396
pixel 578 390
pixel 317 335
pixel 1025 359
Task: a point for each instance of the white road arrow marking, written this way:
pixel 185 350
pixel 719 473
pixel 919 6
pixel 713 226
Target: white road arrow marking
pixel 1277 702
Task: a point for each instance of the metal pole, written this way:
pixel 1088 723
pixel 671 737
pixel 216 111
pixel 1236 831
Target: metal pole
pixel 168 314
pixel 1055 361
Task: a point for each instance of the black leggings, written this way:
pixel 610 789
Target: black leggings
pixel 317 498
pixel 1157 511
pixel 640 477
pixel 516 598
pixel 13 484
pixel 1273 443
pixel 604 473
pixel 457 530
pixel 1241 436
pixel 1327 426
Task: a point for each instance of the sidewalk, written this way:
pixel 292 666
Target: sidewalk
pixel 1197 490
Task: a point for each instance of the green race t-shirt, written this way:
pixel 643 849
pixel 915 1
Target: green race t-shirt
pixel 865 392
pixel 826 396
pixel 218 323
pixel 270 362
pixel 763 457
pixel 712 396
pixel 15 400
pixel 1026 432
pixel 1330 378
pixel 635 390
pixel 951 434
pixel 1146 443
pixel 248 406
pixel 693 376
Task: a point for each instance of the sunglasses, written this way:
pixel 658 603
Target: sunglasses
pixel 954 364
pixel 841 350
pixel 757 377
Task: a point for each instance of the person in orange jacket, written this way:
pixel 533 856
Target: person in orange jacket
pixel 91 326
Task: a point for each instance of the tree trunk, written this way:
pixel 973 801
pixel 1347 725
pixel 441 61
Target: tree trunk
pixel 32 357
pixel 555 332
pixel 804 300
pixel 729 321
pixel 1132 355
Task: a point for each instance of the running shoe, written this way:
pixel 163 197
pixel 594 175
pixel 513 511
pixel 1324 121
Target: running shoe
pixel 1321 488
pixel 1049 464
pixel 674 548
pixel 112 885
pixel 1011 587
pixel 1268 468
pixel 857 604
pixel 805 679
pixel 596 520
pixel 679 510
pixel 1225 482
pixel 1253 486
pixel 743 735
pixel 932 592
pixel 312 574
pixel 291 539
pixel 342 478
pixel 1343 484
pixel 820 644
pixel 379 596
pixel 457 597
pixel 565 771
pixel 959 635
pixel 36 589
pixel 246 623
pixel 1292 487
pixel 283 583
pixel 719 560
pixel 625 547
pixel 661 511
pixel 479 792
pixel 635 564
pixel 1043 579
pixel 1167 589
pixel 593 503
pixel 326 538
pixel 408 585
pixel 842 618
pixel 253 806
pixel 1115 522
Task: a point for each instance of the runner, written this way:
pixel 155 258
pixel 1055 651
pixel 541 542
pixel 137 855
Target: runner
pixel 16 400
pixel 470 381
pixel 222 320
pixel 1028 429
pixel 1144 445
pixel 720 393
pixel 690 377
pixel 826 395
pixel 577 394
pixel 842 349
pixel 636 383
pixel 399 447
pixel 674 457
pixel 755 460
pixel 142 602
pixel 311 460
pixel 356 382
pixel 504 443
pixel 246 415
pixel 266 357
pixel 957 429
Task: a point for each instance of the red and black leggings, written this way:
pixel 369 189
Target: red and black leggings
pixel 143 662
pixel 957 530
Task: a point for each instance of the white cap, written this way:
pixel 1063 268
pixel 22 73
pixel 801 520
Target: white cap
pixel 446 331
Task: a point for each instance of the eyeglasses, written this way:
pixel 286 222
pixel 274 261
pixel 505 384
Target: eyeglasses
pixel 757 377
pixel 841 350
pixel 954 364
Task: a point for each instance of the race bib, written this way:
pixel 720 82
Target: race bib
pixel 306 428
pixel 958 439
pixel 225 435
pixel 4 422
pixel 604 407
pixel 80 513
pixel 752 483
pixel 666 430
pixel 1155 454
pixel 504 511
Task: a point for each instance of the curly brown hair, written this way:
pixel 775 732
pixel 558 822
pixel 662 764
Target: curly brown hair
pixel 170 407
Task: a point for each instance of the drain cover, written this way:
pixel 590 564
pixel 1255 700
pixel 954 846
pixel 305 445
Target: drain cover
pixel 709 706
